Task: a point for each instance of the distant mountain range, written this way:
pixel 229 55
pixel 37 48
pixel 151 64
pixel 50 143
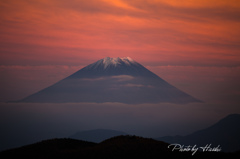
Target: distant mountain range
pixel 225 133
pixel 96 135
pixel 120 80
pixel 127 147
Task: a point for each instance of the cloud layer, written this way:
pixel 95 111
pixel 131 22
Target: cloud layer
pixel 160 32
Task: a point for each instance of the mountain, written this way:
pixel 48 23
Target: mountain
pixel 53 148
pixel 96 135
pixel 119 147
pixel 111 80
pixel 224 133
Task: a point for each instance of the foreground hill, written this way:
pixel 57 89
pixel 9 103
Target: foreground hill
pixel 117 147
pixel 96 135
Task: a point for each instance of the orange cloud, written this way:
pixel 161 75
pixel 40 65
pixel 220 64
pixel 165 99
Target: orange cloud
pixel 121 4
pixel 201 3
pixel 156 31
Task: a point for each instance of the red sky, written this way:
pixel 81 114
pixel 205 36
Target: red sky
pixel 160 32
pixel 42 39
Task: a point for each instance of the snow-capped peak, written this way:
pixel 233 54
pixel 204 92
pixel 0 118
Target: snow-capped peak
pixel 115 61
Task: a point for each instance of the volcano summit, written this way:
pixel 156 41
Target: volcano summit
pixel 120 80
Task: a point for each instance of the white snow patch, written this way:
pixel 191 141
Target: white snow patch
pixel 116 61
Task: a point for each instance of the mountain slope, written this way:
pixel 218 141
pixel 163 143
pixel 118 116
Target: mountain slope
pixel 54 148
pixel 113 67
pixel 97 135
pixel 224 133
pixel 112 80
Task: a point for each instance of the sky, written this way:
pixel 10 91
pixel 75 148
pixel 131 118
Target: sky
pixel 192 44
pixel 58 37
pixel 153 32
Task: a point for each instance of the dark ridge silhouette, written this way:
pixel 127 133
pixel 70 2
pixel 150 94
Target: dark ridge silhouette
pixel 120 80
pixel 117 147
pixel 53 148
pixel 96 135
pixel 224 133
